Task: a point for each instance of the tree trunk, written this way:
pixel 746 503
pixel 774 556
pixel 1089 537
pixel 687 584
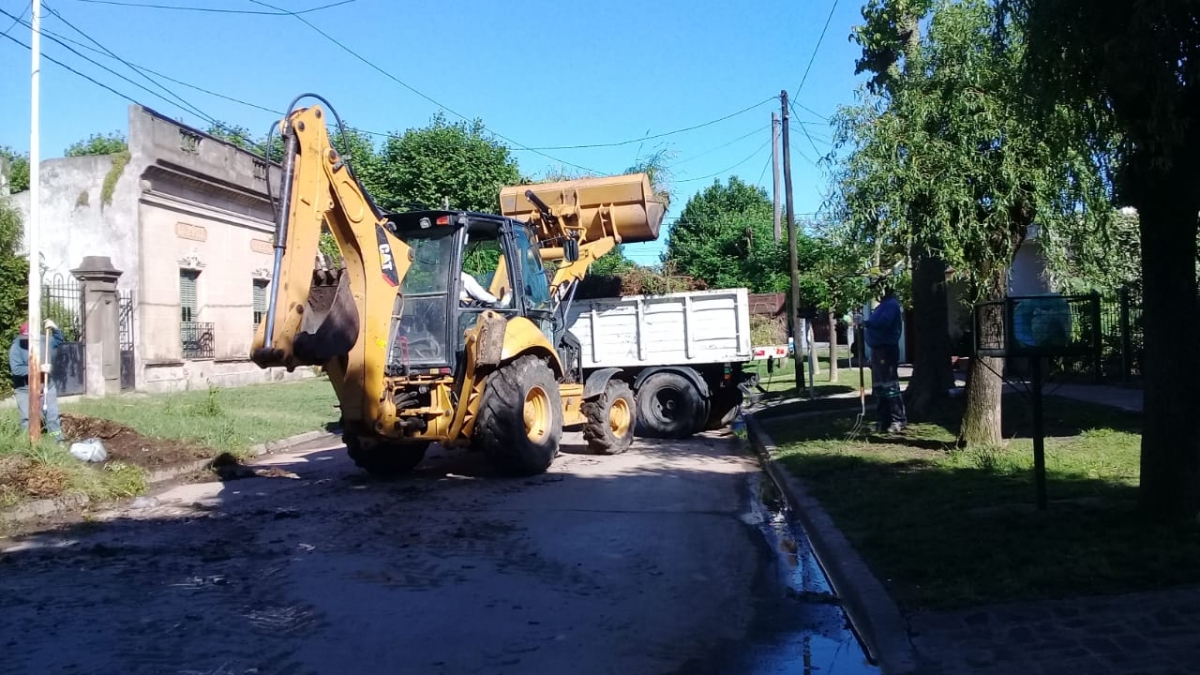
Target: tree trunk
pixel 1170 463
pixel 932 376
pixel 982 416
pixel 833 348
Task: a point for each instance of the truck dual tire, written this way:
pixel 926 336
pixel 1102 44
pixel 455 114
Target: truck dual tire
pixel 610 419
pixel 520 418
pixel 382 459
pixel 669 406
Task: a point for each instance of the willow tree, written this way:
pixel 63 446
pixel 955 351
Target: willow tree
pixel 891 44
pixel 1134 65
pixel 956 147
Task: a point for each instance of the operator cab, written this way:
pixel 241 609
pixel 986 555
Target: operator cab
pixel 462 264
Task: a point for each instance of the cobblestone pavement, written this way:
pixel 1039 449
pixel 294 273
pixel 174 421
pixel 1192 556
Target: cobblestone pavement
pixel 1145 633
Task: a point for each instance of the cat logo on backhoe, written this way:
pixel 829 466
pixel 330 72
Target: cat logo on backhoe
pixel 386 261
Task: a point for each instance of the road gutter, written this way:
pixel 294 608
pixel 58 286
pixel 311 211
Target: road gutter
pixel 871 610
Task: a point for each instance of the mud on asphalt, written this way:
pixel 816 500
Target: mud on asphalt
pixel 653 561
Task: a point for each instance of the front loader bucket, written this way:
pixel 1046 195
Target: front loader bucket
pixel 625 206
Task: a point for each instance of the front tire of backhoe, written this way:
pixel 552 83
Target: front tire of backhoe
pixel 384 460
pixel 520 418
pixel 610 419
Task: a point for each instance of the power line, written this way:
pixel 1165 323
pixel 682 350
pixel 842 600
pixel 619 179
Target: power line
pixel 713 175
pixel 655 136
pixel 175 80
pixel 409 87
pixel 764 172
pixel 112 54
pixel 796 104
pixel 817 48
pixel 723 145
pixel 213 10
pixel 110 70
pixel 86 77
pixel 804 130
pixel 17 20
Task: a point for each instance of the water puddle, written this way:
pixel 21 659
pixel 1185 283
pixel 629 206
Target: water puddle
pixel 802 627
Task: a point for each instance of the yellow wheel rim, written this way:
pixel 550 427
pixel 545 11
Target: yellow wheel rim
pixel 537 414
pixel 619 417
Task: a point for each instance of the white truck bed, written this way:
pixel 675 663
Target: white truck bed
pixel 696 327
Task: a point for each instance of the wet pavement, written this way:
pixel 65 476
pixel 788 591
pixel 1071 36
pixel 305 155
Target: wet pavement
pixel 672 558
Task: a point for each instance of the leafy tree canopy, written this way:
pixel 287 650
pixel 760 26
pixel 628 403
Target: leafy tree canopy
pixel 725 238
pixel 457 163
pixel 18 169
pixel 98 144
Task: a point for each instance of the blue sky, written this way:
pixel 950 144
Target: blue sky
pixel 541 73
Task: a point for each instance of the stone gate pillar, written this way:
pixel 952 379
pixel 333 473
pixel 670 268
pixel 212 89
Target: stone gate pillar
pixel 101 325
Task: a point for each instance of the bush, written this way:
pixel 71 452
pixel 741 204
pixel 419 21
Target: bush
pixel 14 285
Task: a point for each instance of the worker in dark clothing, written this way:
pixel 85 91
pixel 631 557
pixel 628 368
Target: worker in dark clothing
pixel 883 331
pixel 18 363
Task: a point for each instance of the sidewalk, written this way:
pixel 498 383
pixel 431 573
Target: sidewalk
pixel 1117 397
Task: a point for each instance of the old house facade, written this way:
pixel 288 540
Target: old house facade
pixel 185 218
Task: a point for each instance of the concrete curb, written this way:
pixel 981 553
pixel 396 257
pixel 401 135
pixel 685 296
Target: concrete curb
pixel 41 508
pixel 872 611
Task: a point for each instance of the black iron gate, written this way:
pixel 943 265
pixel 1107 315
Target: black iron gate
pixel 62 302
pixel 125 324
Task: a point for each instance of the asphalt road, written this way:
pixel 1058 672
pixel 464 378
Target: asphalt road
pixel 661 560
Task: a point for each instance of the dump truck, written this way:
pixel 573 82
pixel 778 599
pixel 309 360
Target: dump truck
pixel 417 348
pixel 682 353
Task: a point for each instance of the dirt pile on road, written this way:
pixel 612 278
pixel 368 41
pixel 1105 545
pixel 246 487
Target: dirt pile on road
pixel 123 444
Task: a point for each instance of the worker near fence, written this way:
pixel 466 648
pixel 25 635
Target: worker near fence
pixel 18 363
pixel 883 330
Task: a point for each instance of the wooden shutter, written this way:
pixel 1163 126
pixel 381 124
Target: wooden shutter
pixel 187 295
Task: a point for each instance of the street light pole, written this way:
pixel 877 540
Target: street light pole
pixel 33 228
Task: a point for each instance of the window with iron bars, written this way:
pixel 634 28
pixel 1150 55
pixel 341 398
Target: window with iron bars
pixel 260 301
pixel 196 337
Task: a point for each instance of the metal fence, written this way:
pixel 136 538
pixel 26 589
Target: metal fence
pixel 1121 343
pixel 197 340
pixel 62 303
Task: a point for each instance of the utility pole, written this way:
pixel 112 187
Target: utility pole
pixel 794 314
pixel 33 230
pixel 775 171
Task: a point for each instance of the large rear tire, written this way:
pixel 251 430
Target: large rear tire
pixel 382 459
pixel 668 406
pixel 610 419
pixel 520 418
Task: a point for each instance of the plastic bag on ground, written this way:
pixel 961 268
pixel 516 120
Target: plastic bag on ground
pixel 90 450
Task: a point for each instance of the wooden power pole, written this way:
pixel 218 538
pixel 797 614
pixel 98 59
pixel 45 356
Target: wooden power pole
pixel 775 171
pixel 794 312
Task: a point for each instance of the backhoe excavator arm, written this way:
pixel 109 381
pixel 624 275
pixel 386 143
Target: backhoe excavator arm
pixel 339 321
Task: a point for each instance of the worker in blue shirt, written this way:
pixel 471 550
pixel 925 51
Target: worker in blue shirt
pixel 883 330
pixel 18 363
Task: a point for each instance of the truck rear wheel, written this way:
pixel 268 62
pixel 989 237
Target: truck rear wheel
pixel 382 459
pixel 610 419
pixel 520 418
pixel 669 406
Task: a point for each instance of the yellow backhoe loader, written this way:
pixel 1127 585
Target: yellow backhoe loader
pixel 446 326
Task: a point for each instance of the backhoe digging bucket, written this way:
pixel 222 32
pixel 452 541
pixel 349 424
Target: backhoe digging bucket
pixel 330 325
pixel 622 206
